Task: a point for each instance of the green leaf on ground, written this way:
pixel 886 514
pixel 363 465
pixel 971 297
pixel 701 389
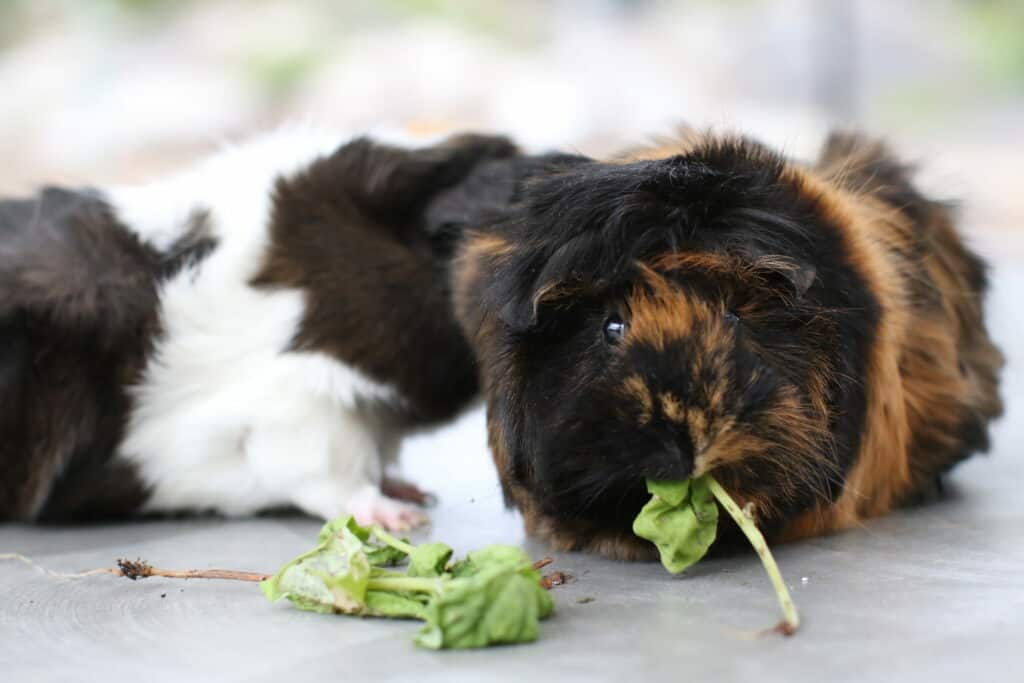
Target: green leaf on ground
pixel 492 596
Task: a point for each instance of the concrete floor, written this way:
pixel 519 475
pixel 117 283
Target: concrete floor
pixel 929 594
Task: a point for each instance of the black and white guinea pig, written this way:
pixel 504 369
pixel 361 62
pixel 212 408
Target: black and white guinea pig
pixel 810 334
pixel 258 331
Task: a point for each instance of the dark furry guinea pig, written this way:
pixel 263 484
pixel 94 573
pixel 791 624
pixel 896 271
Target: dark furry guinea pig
pixel 257 331
pixel 811 334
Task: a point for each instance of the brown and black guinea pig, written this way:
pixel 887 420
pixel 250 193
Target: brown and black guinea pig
pixel 811 334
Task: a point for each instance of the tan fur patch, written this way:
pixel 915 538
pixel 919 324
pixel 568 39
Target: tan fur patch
pixel 496 441
pixel 660 313
pixel 706 262
pixel 697 421
pixel 672 408
pixel 684 141
pixel 481 246
pixel 728 448
pixel 635 388
pixel 478 255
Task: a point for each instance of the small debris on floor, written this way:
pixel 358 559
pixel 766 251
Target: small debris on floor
pixel 556 579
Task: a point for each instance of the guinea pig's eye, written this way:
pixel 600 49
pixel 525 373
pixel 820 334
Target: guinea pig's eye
pixel 731 318
pixel 614 329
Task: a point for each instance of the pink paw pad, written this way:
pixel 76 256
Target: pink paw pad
pixel 391 514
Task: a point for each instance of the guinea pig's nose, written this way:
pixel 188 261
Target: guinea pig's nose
pixel 675 460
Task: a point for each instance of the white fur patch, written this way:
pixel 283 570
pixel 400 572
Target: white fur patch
pixel 225 417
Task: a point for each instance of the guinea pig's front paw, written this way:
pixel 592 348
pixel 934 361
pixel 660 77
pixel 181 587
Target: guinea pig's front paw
pixel 399 489
pixel 370 507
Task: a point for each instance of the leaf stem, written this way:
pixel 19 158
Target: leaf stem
pixel 228 574
pixel 140 569
pixel 404 584
pixel 790 619
pixel 58 575
pixel 390 540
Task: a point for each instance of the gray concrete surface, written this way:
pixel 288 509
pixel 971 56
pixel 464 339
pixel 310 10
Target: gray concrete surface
pixel 928 594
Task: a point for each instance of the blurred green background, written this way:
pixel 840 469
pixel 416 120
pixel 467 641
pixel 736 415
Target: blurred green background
pixel 96 91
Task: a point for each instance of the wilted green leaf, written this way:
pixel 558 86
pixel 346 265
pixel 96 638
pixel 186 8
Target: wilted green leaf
pixel 490 556
pixel 492 596
pixel 499 603
pixel 332 577
pixel 379 554
pixel 681 519
pixel 429 559
pixel 395 605
pixel 385 556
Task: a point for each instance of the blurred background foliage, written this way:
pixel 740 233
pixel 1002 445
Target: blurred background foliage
pixel 95 91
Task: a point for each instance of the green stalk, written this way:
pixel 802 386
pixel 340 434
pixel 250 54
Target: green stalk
pixel 404 584
pixel 390 540
pixel 790 619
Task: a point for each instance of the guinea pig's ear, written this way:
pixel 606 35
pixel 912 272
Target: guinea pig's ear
pixel 519 315
pixel 521 309
pixel 798 274
pixel 542 281
pixel 554 258
pixel 525 312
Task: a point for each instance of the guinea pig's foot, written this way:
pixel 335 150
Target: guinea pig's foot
pixel 399 489
pixel 394 515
